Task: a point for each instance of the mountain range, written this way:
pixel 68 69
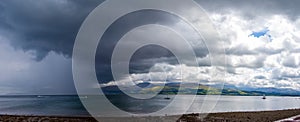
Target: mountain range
pixel 192 88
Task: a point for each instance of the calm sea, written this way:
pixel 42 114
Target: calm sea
pixel 71 105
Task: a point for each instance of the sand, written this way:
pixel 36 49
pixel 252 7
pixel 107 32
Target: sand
pixel 259 116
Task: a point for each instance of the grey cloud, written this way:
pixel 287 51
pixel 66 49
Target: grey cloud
pixel 116 31
pixel 258 62
pixel 22 75
pixel 240 50
pixel 230 70
pixel 148 56
pixel 290 61
pixel 44 26
pixel 260 77
pixel 278 74
pixel 51 25
pixel 268 51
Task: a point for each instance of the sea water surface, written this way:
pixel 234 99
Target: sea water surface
pixel 71 105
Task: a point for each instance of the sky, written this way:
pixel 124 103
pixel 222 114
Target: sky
pixel 261 41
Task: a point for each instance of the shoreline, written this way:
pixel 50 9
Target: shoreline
pixel 262 116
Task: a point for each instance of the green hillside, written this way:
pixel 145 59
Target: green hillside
pixel 200 90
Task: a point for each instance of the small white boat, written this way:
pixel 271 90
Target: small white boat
pixel 39 96
pixel 264 97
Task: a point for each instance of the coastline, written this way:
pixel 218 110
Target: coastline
pixel 262 116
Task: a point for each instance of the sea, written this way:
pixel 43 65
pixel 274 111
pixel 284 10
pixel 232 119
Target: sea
pixel 71 105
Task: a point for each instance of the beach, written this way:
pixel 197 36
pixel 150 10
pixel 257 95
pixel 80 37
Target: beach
pixel 258 116
pixel 261 116
pixel 32 118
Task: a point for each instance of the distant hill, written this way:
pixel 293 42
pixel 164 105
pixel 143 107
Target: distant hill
pixel 191 88
pixel 274 91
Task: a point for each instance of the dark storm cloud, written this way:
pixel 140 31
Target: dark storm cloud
pixel 141 63
pixel 46 29
pixel 147 56
pixel 52 25
pixel 44 26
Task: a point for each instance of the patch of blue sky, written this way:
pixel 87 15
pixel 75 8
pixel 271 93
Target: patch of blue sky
pixel 261 33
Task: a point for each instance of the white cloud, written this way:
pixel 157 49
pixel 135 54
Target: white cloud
pixel 252 61
pixel 276 60
pixel 161 73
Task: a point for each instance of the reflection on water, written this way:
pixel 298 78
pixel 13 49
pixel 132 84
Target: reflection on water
pixel 255 103
pixel 41 105
pixel 137 106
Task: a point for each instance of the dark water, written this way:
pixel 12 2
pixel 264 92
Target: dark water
pixel 42 105
pixel 71 105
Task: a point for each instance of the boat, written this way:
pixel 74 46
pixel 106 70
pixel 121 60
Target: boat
pixel 40 96
pixel 167 98
pixel 264 97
